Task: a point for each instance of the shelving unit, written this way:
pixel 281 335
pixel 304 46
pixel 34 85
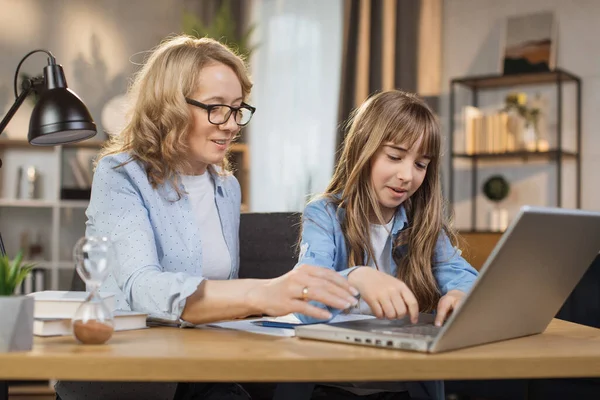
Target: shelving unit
pixel 476 85
pixel 60 222
pixel 56 223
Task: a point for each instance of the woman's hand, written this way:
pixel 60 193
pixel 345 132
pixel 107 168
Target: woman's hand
pixel 387 296
pixel 448 303
pixel 290 293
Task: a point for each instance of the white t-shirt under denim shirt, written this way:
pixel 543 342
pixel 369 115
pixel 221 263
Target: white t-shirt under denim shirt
pixel 216 261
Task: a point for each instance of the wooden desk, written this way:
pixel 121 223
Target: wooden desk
pixel 172 354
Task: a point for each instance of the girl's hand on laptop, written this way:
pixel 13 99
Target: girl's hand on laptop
pixel 448 303
pixel 387 296
pixel 291 293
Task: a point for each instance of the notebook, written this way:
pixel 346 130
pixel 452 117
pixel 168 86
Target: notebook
pixel 124 321
pixel 64 304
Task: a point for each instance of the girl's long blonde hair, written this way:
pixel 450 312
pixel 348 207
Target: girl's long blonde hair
pixel 401 118
pixel 159 119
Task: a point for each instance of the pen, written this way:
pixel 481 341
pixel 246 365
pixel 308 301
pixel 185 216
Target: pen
pixel 274 324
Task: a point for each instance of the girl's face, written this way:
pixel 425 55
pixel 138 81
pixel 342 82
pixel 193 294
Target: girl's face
pixel 207 142
pixel 396 173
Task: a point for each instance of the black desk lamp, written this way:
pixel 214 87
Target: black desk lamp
pixel 59 116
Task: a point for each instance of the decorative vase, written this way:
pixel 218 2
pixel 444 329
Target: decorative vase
pixel 530 137
pixel 498 219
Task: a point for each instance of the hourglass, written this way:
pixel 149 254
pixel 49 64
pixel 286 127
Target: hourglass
pixel 93 322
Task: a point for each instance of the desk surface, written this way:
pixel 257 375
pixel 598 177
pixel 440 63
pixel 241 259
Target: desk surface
pixel 173 354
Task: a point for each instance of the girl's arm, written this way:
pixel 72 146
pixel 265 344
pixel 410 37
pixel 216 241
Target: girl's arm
pixel 386 296
pixel 450 269
pixel 318 247
pixel 318 244
pixel 454 275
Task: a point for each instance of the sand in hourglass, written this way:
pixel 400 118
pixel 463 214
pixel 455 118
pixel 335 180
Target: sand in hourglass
pixel 92 332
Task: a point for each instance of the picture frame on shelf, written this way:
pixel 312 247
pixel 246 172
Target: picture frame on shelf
pixel 530 44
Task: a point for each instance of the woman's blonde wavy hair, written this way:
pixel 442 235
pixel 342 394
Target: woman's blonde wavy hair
pixel 401 118
pixel 159 120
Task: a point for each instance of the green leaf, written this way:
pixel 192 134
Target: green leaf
pixel 3 275
pixel 4 265
pixel 12 273
pixel 221 28
pixel 23 274
pixel 14 270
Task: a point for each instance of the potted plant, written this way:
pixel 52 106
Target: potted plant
pixel 16 312
pixel 221 28
pixel 531 114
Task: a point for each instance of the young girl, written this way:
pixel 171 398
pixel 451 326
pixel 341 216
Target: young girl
pixel 380 222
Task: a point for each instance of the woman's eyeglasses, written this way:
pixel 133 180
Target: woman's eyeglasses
pixel 219 114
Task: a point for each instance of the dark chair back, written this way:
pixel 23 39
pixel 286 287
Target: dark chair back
pixel 583 305
pixel 268 244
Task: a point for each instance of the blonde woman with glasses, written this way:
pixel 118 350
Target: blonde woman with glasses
pixel 164 195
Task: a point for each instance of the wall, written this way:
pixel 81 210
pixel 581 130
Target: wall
pixel 97 43
pixel 472 40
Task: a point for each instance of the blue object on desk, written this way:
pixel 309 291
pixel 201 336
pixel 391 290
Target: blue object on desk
pixel 276 324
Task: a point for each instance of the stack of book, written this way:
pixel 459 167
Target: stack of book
pixel 53 311
pixel 495 132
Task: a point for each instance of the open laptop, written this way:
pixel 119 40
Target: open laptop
pixel 530 273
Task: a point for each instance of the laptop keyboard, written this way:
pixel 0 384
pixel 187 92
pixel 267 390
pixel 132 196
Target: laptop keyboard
pixel 412 330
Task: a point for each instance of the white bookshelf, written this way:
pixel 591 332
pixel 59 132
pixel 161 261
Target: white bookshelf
pixel 58 223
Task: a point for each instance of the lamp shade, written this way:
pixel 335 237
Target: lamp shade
pixel 59 116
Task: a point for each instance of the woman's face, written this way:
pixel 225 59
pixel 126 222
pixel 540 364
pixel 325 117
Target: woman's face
pixel 208 143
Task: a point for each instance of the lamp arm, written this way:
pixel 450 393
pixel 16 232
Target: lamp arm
pixel 51 61
pixel 20 99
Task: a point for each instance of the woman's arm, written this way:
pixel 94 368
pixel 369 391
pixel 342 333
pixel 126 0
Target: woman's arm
pixel 118 211
pixel 218 300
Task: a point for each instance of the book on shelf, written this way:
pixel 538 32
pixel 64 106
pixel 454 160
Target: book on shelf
pixel 124 321
pixel 78 174
pixel 64 304
pixel 489 131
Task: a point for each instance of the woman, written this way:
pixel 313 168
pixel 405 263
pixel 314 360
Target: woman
pixel 163 194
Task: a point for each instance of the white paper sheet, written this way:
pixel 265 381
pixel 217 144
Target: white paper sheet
pixel 248 326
